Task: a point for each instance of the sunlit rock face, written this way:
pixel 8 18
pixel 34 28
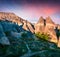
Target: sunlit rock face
pixel 59 42
pixel 28 26
pixel 46 26
pixel 50 23
pixel 10 17
pixel 50 26
pixel 18 20
pixel 39 26
pixel 58 26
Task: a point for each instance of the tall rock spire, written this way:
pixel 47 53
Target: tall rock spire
pixel 49 20
pixel 41 20
pixel 46 26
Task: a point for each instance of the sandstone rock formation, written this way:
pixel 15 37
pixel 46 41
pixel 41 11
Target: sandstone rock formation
pixel 46 26
pixel 49 20
pixel 50 23
pixel 41 20
pixel 58 26
pixel 28 26
pixel 18 20
pixel 42 26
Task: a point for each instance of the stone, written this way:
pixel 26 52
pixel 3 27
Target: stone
pixel 6 16
pixel 46 26
pixel 4 41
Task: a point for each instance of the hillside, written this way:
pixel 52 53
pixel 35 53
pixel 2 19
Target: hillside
pixel 18 39
pixel 17 42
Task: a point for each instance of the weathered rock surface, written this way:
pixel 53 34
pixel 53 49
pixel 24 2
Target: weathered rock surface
pixel 16 39
pixel 42 26
pixel 47 26
pixel 18 20
pixel 49 20
pixel 28 26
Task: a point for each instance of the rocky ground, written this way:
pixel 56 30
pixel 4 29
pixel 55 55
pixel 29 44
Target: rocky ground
pixel 17 42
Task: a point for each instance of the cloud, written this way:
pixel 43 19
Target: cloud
pixel 31 11
pixel 40 10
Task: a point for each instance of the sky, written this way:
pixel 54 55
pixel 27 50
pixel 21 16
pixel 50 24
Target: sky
pixel 32 10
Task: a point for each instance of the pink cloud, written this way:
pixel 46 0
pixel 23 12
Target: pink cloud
pixel 40 10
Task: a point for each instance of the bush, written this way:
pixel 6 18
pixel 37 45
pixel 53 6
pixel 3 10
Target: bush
pixel 42 36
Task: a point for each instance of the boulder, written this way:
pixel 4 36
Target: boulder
pixel 4 41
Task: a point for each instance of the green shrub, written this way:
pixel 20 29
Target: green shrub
pixel 42 36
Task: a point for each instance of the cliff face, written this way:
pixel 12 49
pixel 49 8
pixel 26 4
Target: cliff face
pixel 47 26
pixel 39 26
pixel 18 20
